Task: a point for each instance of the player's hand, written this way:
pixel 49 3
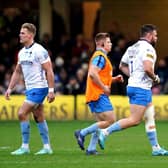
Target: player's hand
pixel 50 97
pixel 107 90
pixel 119 78
pixel 7 94
pixel 156 79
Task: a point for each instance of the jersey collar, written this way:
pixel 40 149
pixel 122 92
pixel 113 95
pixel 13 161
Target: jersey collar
pixel 102 50
pixel 142 39
pixel 30 46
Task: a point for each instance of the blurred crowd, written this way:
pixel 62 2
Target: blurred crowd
pixel 69 56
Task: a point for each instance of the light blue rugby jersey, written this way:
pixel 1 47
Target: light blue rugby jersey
pixel 31 60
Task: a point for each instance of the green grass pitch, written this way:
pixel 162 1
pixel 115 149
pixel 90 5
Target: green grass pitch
pixel 126 149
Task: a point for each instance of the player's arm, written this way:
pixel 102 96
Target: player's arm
pixel 148 65
pixel 148 68
pixel 124 68
pixel 14 79
pixel 47 66
pixel 118 78
pixel 94 75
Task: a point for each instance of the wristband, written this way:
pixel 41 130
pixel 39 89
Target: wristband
pixel 51 90
pixel 9 90
pixel 156 79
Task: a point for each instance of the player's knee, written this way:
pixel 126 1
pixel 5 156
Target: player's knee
pixel 109 122
pixel 21 116
pixel 111 119
pixel 104 124
pixel 38 119
pixel 150 113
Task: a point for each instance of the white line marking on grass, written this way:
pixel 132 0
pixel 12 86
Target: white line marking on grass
pixel 4 147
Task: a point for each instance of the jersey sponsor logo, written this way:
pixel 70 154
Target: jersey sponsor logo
pixel 149 50
pixel 150 56
pixel 26 62
pixel 130 56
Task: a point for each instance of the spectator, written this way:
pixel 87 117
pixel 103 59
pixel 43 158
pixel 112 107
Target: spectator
pixel 80 46
pixel 81 78
pixel 73 87
pixel 162 71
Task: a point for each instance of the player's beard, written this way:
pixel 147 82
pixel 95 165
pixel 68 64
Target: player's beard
pixel 153 43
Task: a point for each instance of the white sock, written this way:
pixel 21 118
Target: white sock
pixel 156 147
pixel 47 146
pixel 105 132
pixel 26 146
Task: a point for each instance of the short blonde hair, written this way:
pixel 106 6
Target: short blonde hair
pixel 30 27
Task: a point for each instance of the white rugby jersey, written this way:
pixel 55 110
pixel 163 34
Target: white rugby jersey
pixel 30 60
pixel 134 57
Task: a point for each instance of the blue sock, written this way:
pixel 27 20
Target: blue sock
pixel 152 136
pixel 93 142
pixel 25 130
pixel 114 127
pixel 43 129
pixel 90 129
